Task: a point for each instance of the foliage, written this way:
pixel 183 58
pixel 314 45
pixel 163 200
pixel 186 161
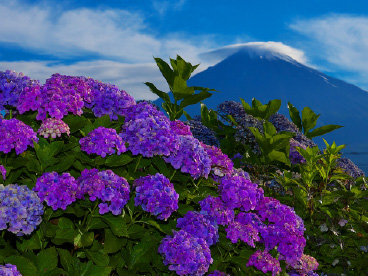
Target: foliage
pixel 176 78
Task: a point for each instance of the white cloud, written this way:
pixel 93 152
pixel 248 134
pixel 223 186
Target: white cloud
pixel 162 7
pixel 130 77
pixel 219 54
pixel 342 40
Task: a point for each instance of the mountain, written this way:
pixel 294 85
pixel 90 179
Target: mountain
pixel 266 75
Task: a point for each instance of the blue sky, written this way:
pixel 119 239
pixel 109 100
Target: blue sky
pixel 115 40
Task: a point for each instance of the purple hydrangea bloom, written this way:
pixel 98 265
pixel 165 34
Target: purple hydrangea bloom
pixel 179 128
pixel 156 195
pixel 305 266
pixel 264 262
pixel 190 157
pixel 239 192
pixel 107 99
pixel 53 128
pixel 200 225
pixel 59 96
pixel 185 254
pixel 217 273
pixel 294 156
pixel 349 167
pixel 216 208
pixel 3 171
pixel 148 131
pixel 221 164
pixel 245 227
pixel 12 86
pixel 103 141
pixel 15 134
pixel 284 229
pixel 9 270
pixel 107 186
pixel 58 191
pixel 240 172
pixel 203 133
pixel 20 208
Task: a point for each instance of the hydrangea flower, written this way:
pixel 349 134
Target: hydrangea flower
pixel 216 208
pixel 148 132
pixel 58 191
pixel 294 156
pixel 156 195
pixel 179 128
pixel 112 189
pixel 239 192
pixel 190 157
pixel 60 95
pixel 21 209
pixel 53 128
pixel 221 164
pixel 203 133
pixel 265 262
pixel 217 273
pixel 245 227
pixel 284 229
pixel 103 141
pixel 9 270
pixel 15 134
pixel 12 85
pixel 3 171
pixel 107 99
pixel 349 167
pixel 185 254
pixel 200 225
pixel 305 266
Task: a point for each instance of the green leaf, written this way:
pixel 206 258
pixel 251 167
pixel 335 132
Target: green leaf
pixel 76 123
pixel 166 71
pixel 47 260
pixel 272 107
pixel 65 163
pixel 141 253
pixel 322 130
pixel 98 257
pixel 90 269
pixel 309 119
pixel 295 116
pixel 194 99
pixel 31 242
pixel 24 265
pixel 118 160
pixel 117 224
pixel 161 94
pixel 65 259
pixel 112 243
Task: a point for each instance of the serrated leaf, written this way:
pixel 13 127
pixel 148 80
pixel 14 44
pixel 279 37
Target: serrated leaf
pixel 47 260
pixel 65 259
pixel 112 243
pixel 322 130
pixel 117 224
pixel 118 160
pixel 194 99
pixel 24 265
pixel 98 257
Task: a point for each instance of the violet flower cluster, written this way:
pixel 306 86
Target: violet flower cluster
pixel 264 262
pixel 179 128
pixel 12 86
pixel 304 266
pixel 349 167
pixel 103 141
pixel 246 227
pixel 200 225
pixel 107 186
pixel 185 254
pixel 3 171
pixel 217 273
pixel 294 156
pixel 190 157
pixel 239 192
pixel 15 134
pixel 155 194
pixel 203 133
pixel 58 191
pixel 107 99
pixel 21 209
pixel 221 164
pixel 216 208
pixel 147 131
pixel 9 270
pixel 52 127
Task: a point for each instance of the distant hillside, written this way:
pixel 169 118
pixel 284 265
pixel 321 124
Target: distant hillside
pixel 267 75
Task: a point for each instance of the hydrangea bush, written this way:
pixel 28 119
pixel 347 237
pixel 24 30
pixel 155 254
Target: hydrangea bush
pixel 126 191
